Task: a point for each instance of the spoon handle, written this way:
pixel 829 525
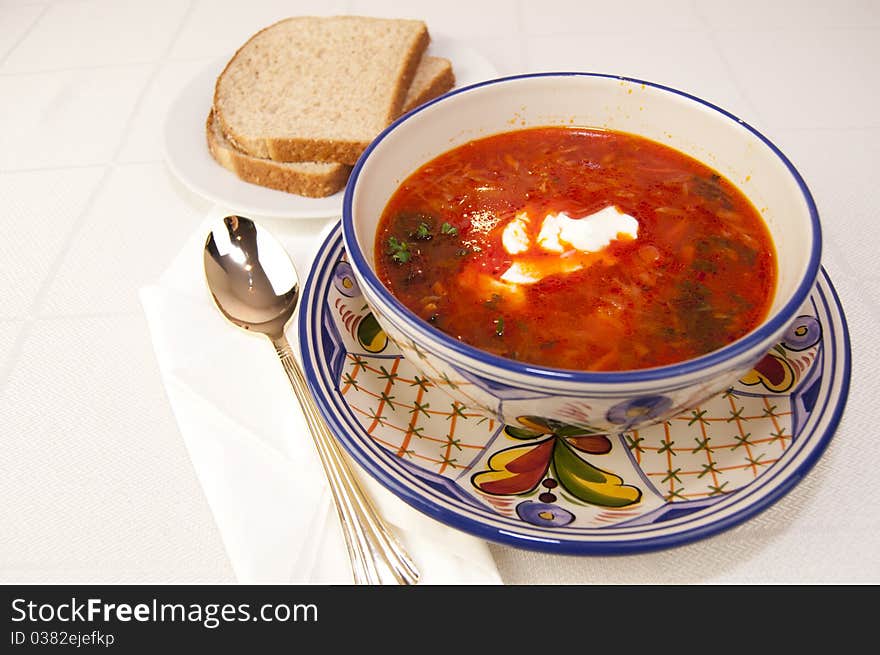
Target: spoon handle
pixel 369 540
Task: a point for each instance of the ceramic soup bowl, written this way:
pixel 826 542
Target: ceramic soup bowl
pixel 606 401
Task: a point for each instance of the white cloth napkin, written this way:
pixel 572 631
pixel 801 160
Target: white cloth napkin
pixel 250 446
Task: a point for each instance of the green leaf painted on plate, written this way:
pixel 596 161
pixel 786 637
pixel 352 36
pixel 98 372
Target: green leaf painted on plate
pixel 588 483
pixel 522 433
pixel 371 335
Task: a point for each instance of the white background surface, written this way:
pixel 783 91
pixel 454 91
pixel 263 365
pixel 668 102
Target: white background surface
pixel 95 483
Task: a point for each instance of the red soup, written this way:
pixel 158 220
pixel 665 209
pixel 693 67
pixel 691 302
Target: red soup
pixel 578 249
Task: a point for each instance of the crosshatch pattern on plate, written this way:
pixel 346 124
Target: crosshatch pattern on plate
pixel 714 448
pixel 397 409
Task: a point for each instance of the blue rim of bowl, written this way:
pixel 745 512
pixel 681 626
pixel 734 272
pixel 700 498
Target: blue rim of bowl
pixel 834 404
pixel 765 332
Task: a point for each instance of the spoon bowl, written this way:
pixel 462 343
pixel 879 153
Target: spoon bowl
pixel 251 277
pixel 255 286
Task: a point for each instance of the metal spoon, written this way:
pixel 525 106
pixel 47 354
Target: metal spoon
pixel 255 286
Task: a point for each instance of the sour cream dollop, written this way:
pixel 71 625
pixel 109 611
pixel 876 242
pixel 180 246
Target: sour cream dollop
pixel 562 234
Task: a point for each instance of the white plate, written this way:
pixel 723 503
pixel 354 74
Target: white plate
pixel 186 149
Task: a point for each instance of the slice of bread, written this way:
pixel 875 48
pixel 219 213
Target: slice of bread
pixel 312 179
pixel 318 89
pixel 433 77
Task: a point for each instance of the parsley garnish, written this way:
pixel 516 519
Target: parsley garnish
pixel 423 232
pixel 446 228
pixel 399 250
pixel 499 326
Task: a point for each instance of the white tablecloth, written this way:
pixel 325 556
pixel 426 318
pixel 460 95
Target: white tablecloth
pixel 97 484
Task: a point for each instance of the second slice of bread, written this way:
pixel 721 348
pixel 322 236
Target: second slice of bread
pixel 318 89
pixel 434 77
pixel 311 179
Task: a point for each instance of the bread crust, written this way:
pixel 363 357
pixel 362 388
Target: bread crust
pixel 413 59
pixel 320 150
pixel 300 178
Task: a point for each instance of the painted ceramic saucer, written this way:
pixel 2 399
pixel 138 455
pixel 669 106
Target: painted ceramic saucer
pixel 559 487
